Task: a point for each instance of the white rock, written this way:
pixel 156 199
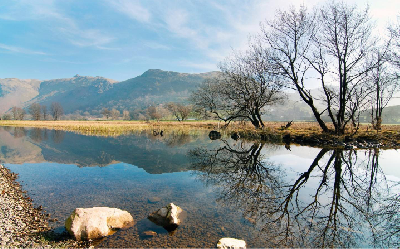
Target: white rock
pixel 97 222
pixel 231 243
pixel 167 217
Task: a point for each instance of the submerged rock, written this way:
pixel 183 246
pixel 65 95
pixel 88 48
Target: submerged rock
pixel 154 199
pixel 97 222
pixel 231 243
pixel 235 136
pixel 149 234
pixel 214 135
pixel 167 217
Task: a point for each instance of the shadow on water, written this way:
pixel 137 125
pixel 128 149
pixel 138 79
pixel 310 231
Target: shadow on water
pixel 342 200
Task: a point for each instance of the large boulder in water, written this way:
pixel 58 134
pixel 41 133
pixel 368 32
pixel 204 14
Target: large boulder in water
pixel 97 222
pixel 231 243
pixel 167 217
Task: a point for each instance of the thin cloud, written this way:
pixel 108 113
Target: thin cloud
pixel 65 27
pixel 87 37
pixel 20 50
pixel 133 9
pixel 202 66
pixel 156 45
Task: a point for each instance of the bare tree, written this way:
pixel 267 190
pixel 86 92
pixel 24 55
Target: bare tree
pixel 106 113
pixel 284 42
pixel 35 111
pixel 21 114
pixel 180 111
pixel 383 84
pixel 115 114
pixel 7 116
pixel 342 44
pixel 138 114
pixel 44 112
pixel 241 92
pixel 395 48
pixel 154 113
pixel 18 113
pixel 14 111
pixel 332 42
pixel 56 110
pixel 125 115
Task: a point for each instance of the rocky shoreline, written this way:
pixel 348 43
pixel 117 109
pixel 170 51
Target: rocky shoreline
pixel 22 225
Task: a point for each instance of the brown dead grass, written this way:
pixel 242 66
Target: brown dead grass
pixel 116 128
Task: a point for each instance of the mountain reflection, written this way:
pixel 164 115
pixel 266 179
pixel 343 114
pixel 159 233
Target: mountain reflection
pixel 155 154
pixel 342 200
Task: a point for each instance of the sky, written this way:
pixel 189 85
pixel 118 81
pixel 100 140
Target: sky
pixel 121 39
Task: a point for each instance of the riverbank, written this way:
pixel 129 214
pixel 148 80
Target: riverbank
pixel 22 225
pixel 303 133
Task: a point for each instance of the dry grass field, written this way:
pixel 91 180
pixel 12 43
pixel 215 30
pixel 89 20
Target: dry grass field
pixel 116 128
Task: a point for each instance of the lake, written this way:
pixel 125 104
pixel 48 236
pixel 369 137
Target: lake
pixel 266 194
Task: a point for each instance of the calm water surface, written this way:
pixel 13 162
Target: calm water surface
pixel 269 195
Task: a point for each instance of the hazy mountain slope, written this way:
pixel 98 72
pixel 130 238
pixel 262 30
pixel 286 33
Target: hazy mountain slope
pixel 72 93
pixel 14 92
pixel 86 93
pixel 152 87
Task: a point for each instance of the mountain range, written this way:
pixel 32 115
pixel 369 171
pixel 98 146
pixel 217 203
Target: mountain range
pixel 87 93
pixel 153 87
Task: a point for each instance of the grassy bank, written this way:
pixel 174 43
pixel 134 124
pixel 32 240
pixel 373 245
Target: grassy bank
pixel 110 128
pixel 272 130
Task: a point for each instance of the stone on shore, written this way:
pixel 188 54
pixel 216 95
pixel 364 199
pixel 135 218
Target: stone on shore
pixel 231 243
pixel 97 222
pixel 167 217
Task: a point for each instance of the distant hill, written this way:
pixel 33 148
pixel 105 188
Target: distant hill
pixel 72 93
pixel 15 92
pixel 152 87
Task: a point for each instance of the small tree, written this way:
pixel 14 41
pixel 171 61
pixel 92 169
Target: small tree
pixel 154 113
pixel 18 113
pixel 115 114
pixel 56 110
pixel 14 112
pixel 7 116
pixel 125 115
pixel 138 114
pixel 181 112
pixel 106 113
pixel 184 111
pixel 44 112
pixel 21 114
pixel 241 92
pixel 35 110
pixel 383 85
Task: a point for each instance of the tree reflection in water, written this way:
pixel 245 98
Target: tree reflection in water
pixel 342 200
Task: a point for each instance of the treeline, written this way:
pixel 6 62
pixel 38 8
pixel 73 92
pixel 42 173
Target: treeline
pixel 169 111
pixel 36 111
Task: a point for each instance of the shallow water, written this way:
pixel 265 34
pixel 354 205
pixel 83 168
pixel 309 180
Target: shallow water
pixel 269 195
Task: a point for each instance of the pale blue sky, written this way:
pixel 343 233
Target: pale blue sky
pixel 120 39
